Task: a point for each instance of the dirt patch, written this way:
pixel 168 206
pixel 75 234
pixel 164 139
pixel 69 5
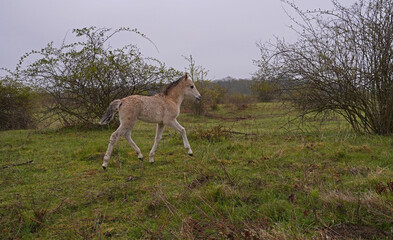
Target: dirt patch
pixel 91 172
pixel 199 181
pixel 355 231
pixel 93 157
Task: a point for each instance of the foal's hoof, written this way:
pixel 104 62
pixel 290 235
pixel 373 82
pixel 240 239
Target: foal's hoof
pixel 104 167
pixel 191 154
pixel 140 159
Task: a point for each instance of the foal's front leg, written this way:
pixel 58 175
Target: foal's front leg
pixel 175 125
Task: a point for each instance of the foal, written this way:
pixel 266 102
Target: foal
pixel 162 108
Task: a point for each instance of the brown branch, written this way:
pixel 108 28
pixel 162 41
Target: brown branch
pixel 17 164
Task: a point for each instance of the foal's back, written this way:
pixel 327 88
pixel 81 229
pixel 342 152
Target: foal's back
pixel 153 109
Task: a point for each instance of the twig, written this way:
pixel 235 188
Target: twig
pixel 34 220
pixel 59 206
pixel 17 164
pixel 224 169
pixel 164 199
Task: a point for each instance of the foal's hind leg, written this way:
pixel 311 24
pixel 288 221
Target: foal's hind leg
pixel 133 145
pixel 159 130
pixel 114 137
pixel 175 125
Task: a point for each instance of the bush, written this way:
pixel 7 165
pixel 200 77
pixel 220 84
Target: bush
pixel 16 105
pixel 241 101
pixel 264 91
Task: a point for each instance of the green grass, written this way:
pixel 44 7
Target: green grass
pixel 252 175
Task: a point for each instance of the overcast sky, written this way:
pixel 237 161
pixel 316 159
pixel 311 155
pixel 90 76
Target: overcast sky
pixel 220 34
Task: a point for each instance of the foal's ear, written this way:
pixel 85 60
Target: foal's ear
pixel 186 76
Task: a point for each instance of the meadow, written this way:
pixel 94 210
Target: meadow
pixel 253 176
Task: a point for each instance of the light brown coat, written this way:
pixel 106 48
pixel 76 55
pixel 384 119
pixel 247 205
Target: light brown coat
pixel 162 108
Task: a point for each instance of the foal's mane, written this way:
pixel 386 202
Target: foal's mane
pixel 171 85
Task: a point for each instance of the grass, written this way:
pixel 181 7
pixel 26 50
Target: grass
pixel 252 177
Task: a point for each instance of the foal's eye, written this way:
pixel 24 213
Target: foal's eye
pixel 191 86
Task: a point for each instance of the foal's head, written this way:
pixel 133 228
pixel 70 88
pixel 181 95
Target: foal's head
pixel 186 85
pixel 190 88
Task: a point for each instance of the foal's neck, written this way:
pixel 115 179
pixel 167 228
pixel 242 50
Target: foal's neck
pixel 176 97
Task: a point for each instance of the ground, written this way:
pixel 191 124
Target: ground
pixel 254 175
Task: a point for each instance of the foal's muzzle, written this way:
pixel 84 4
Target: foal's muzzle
pixel 198 98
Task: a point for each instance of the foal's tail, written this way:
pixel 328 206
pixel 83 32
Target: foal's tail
pixel 110 112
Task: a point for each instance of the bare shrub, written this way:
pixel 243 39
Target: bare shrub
pixel 341 62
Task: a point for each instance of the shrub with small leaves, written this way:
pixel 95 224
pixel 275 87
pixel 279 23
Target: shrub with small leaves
pixel 16 105
pixel 82 78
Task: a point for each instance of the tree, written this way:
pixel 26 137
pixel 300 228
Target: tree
pixel 341 62
pixel 82 78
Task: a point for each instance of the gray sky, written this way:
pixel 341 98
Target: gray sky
pixel 220 34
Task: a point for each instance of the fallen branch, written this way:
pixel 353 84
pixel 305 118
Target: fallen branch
pixel 234 132
pixel 17 164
